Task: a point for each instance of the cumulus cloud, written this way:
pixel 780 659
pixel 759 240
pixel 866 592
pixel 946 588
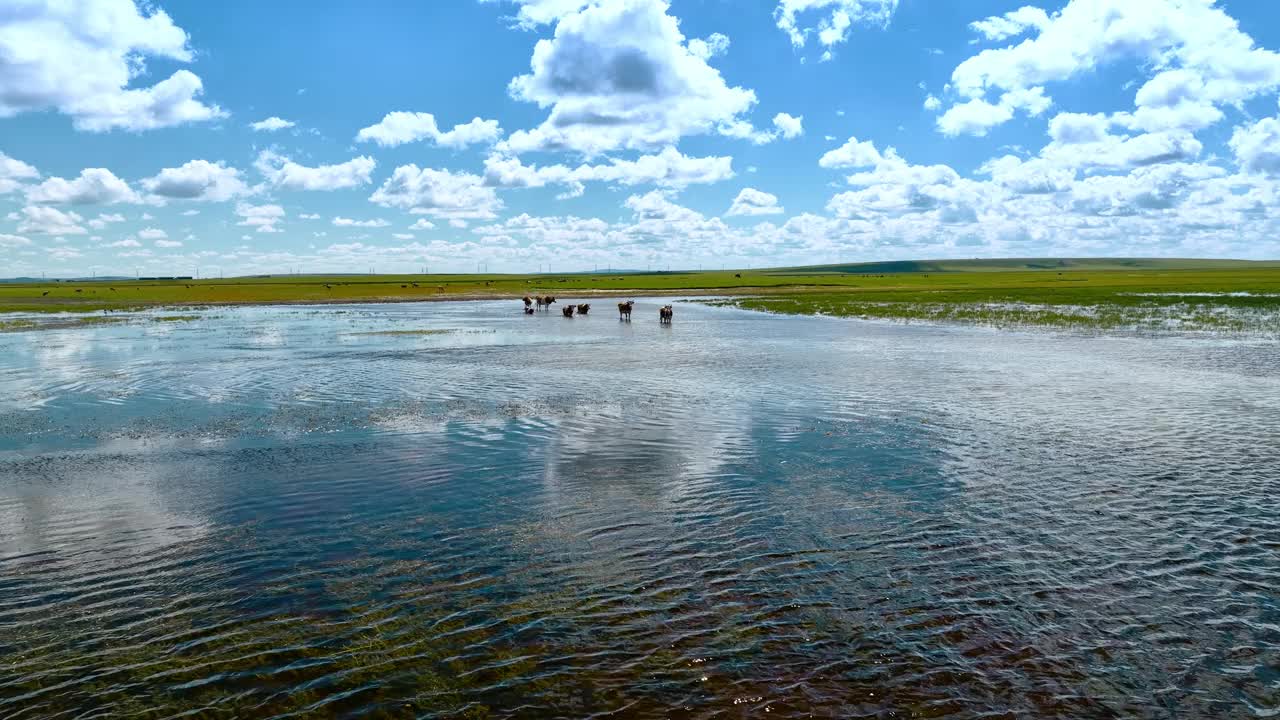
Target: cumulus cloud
pixel 668 168
pixel 422 224
pixel 348 222
pixel 105 219
pixel 13 241
pixel 977 116
pixel 788 126
pixel 264 218
pixel 81 59
pixel 168 243
pixel 438 193
pixel 152 234
pixel 272 124
pixel 620 75
pixel 1257 146
pixel 49 221
pixel 854 153
pixel 1013 23
pixel 125 243
pixel 755 202
pixel 1200 59
pixel 398 128
pixel 13 172
pixel 198 180
pixel 834 18
pixel 94 186
pixel 285 173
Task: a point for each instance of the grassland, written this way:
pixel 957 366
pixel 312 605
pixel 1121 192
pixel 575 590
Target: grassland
pixel 1110 292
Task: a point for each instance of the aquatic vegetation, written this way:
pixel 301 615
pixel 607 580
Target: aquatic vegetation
pixel 436 331
pixel 1203 313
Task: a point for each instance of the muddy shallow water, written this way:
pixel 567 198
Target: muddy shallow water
pixel 285 511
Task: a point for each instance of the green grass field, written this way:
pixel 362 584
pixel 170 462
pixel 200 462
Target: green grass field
pixel 1108 292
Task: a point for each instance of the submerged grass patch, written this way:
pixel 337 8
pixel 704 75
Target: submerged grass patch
pixel 445 331
pixel 1182 313
pixel 58 323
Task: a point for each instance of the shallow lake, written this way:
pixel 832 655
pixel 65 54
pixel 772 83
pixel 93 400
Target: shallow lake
pixel 290 511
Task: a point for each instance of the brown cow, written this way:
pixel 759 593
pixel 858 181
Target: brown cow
pixel 528 301
pixel 567 310
pixel 624 309
pixel 665 314
pixel 584 308
pixel 544 303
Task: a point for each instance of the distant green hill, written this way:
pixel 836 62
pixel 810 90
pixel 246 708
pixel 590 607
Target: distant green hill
pixel 1024 264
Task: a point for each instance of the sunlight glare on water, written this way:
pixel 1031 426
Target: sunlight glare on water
pixel 287 511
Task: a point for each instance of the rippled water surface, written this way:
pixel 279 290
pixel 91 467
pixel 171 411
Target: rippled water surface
pixel 275 512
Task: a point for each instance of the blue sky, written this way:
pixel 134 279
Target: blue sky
pixel 250 137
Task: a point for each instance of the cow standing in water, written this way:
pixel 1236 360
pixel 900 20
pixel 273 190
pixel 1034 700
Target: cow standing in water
pixel 544 303
pixel 584 308
pixel 567 310
pixel 665 313
pixel 528 301
pixel 624 309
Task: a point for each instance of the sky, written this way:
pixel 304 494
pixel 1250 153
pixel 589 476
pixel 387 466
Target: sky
pixel 244 137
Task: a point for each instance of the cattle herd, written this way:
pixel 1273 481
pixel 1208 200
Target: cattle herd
pixel 544 302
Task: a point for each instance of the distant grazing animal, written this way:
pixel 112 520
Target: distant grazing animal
pixel 440 288
pixel 567 310
pixel 404 286
pixel 328 286
pixel 112 289
pixel 664 314
pixel 624 309
pixel 737 275
pixel 46 292
pixel 584 308
pixel 79 290
pixel 414 284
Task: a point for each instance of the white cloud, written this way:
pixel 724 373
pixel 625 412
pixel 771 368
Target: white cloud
pixel 853 153
pixel 755 202
pixel 104 219
pixel 1199 57
pixel 152 234
pixel 287 174
pixel 422 224
pixel 348 222
pixel 1012 23
pixel 309 216
pixel 1257 146
pixel 835 18
pixel 125 243
pixel 713 45
pixel 977 116
pixel 620 75
pixel 12 172
pixel 262 217
pixel 932 103
pixel 272 124
pixel 94 186
pixel 398 128
pixel 668 168
pixel 49 221
pixel 438 193
pixel 198 180
pixel 168 243
pixel 12 241
pixel 402 236
pixel 80 59
pixel 788 126
pixel 190 213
